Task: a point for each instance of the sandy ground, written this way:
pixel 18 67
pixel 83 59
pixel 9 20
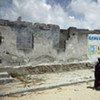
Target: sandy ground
pixel 74 92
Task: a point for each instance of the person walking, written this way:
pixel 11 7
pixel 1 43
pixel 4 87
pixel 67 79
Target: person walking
pixel 97 75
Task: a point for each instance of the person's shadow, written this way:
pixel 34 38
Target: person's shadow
pixel 90 87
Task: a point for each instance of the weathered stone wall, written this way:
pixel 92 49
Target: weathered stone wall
pixel 46 43
pixel 23 42
pixel 41 69
pixel 9 52
pixel 76 45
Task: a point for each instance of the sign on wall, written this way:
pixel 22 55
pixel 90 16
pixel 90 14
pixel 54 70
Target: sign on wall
pixel 94 45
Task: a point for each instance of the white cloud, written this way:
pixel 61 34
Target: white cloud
pixel 39 11
pixel 90 10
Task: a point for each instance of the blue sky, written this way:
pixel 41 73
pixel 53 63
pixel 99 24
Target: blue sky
pixel 63 3
pixel 51 2
pixel 65 13
pixel 5 3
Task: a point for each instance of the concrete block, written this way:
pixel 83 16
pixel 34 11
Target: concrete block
pixel 4 75
pixel 6 80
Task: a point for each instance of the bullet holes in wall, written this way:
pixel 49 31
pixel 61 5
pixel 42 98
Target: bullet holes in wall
pixel 73 34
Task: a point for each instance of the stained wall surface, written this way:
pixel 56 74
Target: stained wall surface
pixel 23 42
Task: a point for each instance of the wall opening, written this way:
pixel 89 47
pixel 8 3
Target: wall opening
pixel 1 39
pixel 0 61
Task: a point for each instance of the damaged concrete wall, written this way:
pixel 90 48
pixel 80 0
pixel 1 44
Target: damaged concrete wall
pixel 46 43
pixel 76 45
pixel 70 42
pixel 9 52
pixel 23 42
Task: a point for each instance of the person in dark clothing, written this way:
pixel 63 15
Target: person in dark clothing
pixel 97 75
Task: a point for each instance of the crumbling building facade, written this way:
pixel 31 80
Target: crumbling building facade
pixel 23 42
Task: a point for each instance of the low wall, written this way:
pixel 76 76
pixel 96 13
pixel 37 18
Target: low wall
pixel 41 69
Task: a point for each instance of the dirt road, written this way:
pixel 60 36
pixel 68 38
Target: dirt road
pixel 74 92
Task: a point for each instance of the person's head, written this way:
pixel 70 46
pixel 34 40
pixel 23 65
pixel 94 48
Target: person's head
pixel 99 59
